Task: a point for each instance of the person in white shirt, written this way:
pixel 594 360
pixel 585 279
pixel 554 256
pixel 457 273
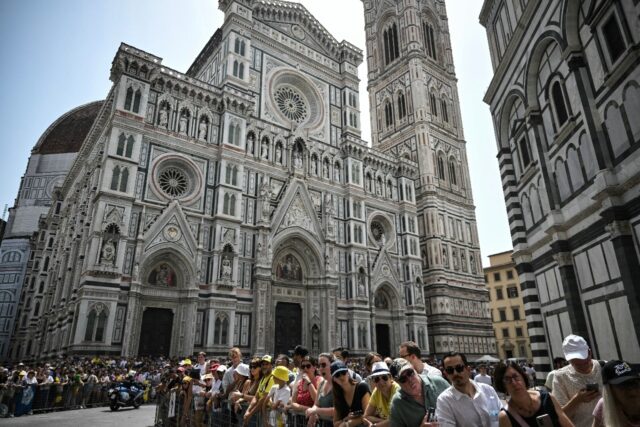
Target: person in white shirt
pixel 202 363
pixel 236 357
pixel 482 377
pixel 466 403
pixel 410 351
pixel 278 396
pixel 577 386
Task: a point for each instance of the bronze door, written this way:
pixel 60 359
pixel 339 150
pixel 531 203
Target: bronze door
pixel 155 336
pixel 288 327
pixel 382 339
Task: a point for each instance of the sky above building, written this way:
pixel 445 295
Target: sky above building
pixel 57 56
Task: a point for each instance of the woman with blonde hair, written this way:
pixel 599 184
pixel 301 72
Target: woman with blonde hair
pixel 618 406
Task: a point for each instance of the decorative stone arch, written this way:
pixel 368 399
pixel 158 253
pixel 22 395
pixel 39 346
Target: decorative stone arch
pixel 570 28
pixel 505 115
pixel 535 58
pixel 178 262
pixel 305 247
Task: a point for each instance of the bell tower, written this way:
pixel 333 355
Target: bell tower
pixel 415 113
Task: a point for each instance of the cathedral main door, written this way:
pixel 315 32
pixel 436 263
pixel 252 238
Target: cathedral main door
pixel 382 339
pixel 288 327
pixel 155 336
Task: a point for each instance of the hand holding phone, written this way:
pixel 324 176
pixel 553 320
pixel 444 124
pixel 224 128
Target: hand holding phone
pixel 592 387
pixel 544 421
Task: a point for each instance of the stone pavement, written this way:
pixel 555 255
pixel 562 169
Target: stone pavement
pixel 95 417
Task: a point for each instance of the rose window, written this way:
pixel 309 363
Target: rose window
pixel 173 182
pixel 377 230
pixel 291 103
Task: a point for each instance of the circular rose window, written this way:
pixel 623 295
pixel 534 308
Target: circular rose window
pixel 173 182
pixel 175 177
pixel 291 103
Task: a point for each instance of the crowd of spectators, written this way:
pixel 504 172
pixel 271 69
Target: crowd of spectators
pixel 334 390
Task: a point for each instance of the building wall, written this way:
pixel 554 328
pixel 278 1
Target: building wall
pixel 566 85
pixel 507 308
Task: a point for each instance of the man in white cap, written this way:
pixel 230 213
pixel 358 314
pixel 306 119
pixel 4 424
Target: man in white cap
pixel 577 385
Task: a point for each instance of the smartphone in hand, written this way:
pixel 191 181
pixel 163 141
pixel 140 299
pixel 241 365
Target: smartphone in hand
pixel 592 387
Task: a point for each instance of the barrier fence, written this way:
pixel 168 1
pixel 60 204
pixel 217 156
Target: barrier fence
pixel 37 398
pixel 175 410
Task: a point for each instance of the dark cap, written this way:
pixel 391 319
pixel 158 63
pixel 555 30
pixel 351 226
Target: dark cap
pixel 337 367
pixel 616 372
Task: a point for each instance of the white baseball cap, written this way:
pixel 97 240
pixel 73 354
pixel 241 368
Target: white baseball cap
pixel 575 347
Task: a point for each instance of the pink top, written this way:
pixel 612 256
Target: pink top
pixel 304 397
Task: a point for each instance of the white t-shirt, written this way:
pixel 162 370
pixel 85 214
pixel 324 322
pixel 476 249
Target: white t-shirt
pixel 567 383
pixel 484 379
pixel 430 370
pixel 277 394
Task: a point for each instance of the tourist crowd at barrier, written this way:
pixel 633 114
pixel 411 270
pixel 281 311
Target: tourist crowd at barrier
pixel 332 390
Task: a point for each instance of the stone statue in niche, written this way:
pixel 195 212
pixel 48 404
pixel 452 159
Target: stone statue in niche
pixel 226 268
pixel 419 299
pixel 163 117
pixel 315 167
pixel 109 252
pixel 463 261
pixel 389 189
pixel 362 287
pixel 336 174
pixel 325 170
pixel 454 253
pixel 250 142
pixel 297 159
pixel 328 205
pixel 163 275
pixel 182 125
pixel 379 188
pixel 202 130
pixel 315 337
pixel 445 257
pixel 264 153
pixel 265 197
pixel 472 261
pixel 278 154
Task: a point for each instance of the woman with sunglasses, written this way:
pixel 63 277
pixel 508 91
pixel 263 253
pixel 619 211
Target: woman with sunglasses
pixel 322 410
pixel 243 397
pixel 306 391
pixel 524 406
pixel 350 398
pixel 618 406
pixel 377 412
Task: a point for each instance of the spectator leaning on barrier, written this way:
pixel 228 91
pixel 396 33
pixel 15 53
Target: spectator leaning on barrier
pixel 258 402
pixel 466 403
pixel 278 397
pixel 379 407
pixel 322 410
pixel 348 414
pixel 577 386
pixel 620 404
pixel 417 397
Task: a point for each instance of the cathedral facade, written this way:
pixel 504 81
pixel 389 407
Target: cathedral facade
pixel 236 204
pixel 565 99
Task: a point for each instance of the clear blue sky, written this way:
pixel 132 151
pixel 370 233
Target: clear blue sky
pixel 57 55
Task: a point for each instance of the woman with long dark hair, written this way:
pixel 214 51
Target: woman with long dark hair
pixel 322 410
pixel 350 398
pixel 524 406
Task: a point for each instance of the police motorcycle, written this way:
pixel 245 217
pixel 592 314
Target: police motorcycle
pixel 126 393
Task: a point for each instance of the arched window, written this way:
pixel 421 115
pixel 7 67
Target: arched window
pixel 613 38
pixel 388 114
pixel 241 71
pixel 234 176
pixel 236 47
pixel 444 110
pixel 129 150
pixel 429 40
pixel 235 68
pixel 128 98
pixel 45 266
pixel 225 206
pixel 122 139
pixel 441 174
pixel 96 324
pixel 434 106
pixel 452 173
pixel 13 256
pixel 227 177
pixel 391 46
pixel 232 205
pixel 115 178
pixel 124 177
pixel 41 287
pixel 402 106
pixel 232 133
pixel 36 309
pixel 559 104
pixel 136 101
pixel 221 329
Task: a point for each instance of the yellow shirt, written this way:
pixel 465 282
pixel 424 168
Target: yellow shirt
pixel 381 404
pixel 265 385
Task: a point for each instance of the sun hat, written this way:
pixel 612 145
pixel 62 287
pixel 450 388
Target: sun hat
pixel 575 347
pixel 243 369
pixel 337 367
pixel 616 372
pixel 221 368
pixel 281 373
pixel 207 377
pixel 379 368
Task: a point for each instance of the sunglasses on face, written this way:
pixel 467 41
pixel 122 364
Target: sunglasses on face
pixel 404 378
pixel 380 377
pixel 458 368
pixel 306 366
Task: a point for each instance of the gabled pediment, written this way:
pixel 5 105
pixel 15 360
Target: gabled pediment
pixel 383 271
pixel 296 210
pixel 171 229
pixel 295 21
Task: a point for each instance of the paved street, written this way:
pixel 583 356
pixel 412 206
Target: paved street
pixel 96 417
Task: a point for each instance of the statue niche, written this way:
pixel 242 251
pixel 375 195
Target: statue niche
pixel 163 275
pixel 288 268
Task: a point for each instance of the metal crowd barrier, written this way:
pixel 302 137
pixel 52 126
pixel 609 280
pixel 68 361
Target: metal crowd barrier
pixel 173 411
pixel 33 399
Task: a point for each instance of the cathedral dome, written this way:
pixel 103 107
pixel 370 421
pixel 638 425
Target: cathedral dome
pixel 67 133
